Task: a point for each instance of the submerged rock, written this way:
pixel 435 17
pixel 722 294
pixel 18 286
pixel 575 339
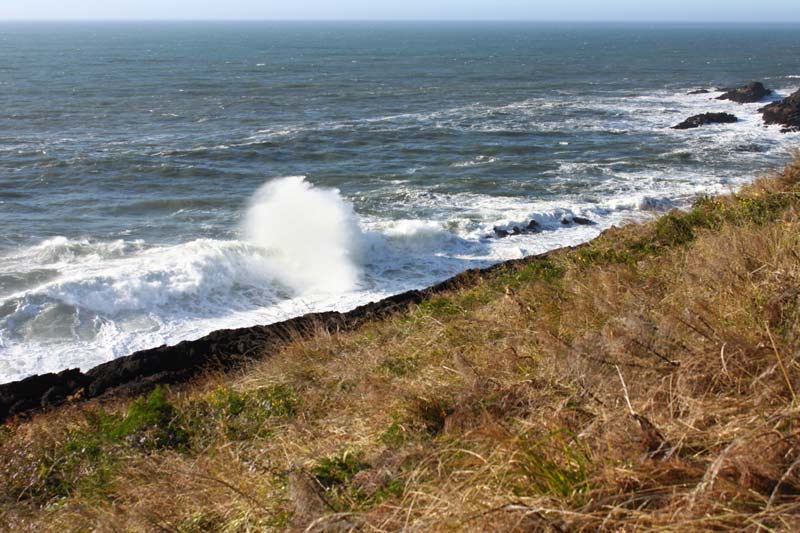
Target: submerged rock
pixel 786 112
pixel 752 92
pixel 705 118
pixel 699 91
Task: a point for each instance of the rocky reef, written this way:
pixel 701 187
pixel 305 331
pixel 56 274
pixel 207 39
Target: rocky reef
pixel 785 112
pixel 704 119
pixel 747 94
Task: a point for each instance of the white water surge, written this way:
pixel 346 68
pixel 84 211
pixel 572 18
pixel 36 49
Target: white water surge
pixel 81 301
pixel 311 234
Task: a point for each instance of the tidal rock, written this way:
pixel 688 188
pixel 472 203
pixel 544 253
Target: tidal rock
pixel 785 112
pixel 699 91
pixel 752 92
pixel 705 118
pixel 581 221
pixel 501 233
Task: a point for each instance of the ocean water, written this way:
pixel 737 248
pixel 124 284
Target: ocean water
pixel 161 181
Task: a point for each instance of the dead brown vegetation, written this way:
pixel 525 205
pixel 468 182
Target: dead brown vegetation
pixel 647 381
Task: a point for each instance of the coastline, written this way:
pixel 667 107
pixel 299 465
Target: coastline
pixel 224 349
pixel 646 379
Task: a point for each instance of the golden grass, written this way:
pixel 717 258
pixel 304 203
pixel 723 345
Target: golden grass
pixel 646 381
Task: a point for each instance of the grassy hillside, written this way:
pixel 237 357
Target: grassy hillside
pixel 645 381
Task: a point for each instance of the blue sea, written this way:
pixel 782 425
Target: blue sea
pixel 159 181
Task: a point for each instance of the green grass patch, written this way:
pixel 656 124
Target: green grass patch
pixel 237 415
pixel 397 434
pixel 338 469
pixel 557 465
pixel 152 422
pixel 541 269
pixel 441 307
pixel 399 366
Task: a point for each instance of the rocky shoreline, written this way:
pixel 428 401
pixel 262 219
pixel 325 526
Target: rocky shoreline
pixel 229 349
pixel 219 351
pixel 785 112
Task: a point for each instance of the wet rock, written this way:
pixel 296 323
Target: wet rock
pixel 785 112
pixel 752 92
pixel 501 233
pixel 699 91
pixel 649 203
pixel 705 118
pixel 581 221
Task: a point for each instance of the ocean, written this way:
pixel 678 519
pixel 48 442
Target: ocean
pixel 159 181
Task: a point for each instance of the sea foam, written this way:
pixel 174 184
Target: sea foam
pixel 312 235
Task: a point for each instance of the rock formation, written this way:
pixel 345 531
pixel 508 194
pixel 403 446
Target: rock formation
pixel 705 118
pixel 752 92
pixel 785 112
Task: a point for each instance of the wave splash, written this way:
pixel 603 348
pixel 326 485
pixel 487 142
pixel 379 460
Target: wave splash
pixel 312 235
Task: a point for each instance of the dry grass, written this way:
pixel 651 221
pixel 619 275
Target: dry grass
pixel 647 381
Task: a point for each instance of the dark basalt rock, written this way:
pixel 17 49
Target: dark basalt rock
pixel 220 350
pixel 500 233
pixel 785 112
pixel 752 92
pixel 699 91
pixel 705 118
pixel 581 221
pixel 40 391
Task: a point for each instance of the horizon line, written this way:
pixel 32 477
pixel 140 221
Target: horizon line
pixel 333 20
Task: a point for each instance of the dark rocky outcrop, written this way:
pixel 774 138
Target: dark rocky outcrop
pixel 501 233
pixel 40 391
pixel 752 92
pixel 785 112
pixel 699 91
pixel 581 221
pixel 220 350
pixel 705 118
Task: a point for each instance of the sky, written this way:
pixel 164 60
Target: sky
pixel 583 10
